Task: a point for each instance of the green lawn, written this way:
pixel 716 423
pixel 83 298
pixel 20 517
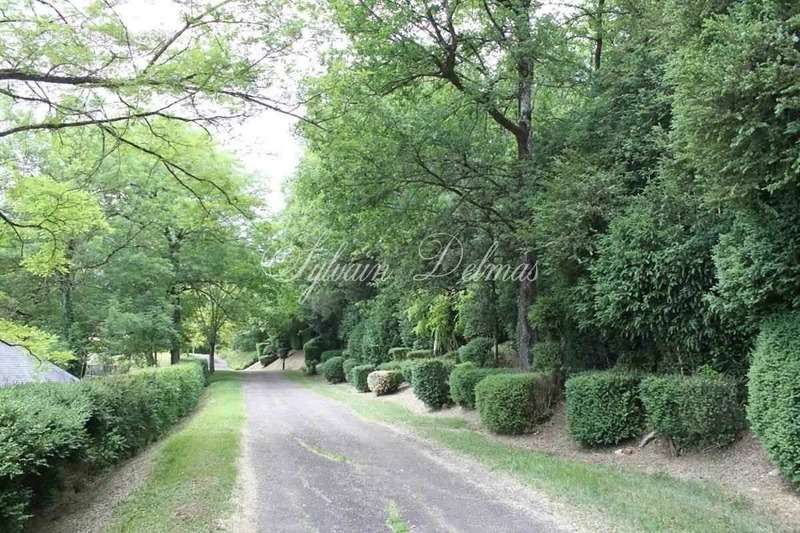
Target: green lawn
pixel 631 500
pixel 192 483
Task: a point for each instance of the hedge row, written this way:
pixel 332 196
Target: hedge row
pixel 95 423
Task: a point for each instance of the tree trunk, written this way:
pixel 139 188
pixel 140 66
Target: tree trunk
pixel 598 35
pixel 212 353
pixel 173 250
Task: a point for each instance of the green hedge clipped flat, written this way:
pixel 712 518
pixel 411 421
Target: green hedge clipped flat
pixel 463 380
pixel 419 354
pixel 694 411
pixel 358 377
pixel 330 354
pixel 398 353
pixel 95 423
pixel 513 403
pixel 774 392
pixel 333 370
pixel 384 381
pixel 604 407
pixel 546 356
pixel 477 351
pixel 430 382
pixel 347 366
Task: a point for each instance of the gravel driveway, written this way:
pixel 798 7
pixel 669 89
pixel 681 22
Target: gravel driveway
pixel 312 465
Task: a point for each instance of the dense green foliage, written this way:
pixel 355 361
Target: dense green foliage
pixel 333 369
pixel 347 366
pixel 604 407
pixel 774 392
pixel 694 411
pixel 46 427
pixel 330 354
pixel 384 381
pixel 463 380
pixel 514 403
pixel 430 382
pixel 477 351
pixel 359 375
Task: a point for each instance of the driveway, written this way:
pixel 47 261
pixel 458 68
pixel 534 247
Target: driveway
pixel 313 465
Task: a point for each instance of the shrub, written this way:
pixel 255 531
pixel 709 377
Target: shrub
pixel 267 360
pixel 44 427
pixel 774 392
pixel 546 356
pixel 398 354
pixel 430 382
pixel 310 369
pixel 358 377
pixel 330 354
pixel 463 380
pixel 419 354
pixel 396 366
pixel 347 366
pixel 477 351
pixel 333 370
pixel 384 381
pixel 312 351
pixel 512 403
pixel 700 410
pixel 604 407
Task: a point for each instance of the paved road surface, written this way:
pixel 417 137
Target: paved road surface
pixel 315 466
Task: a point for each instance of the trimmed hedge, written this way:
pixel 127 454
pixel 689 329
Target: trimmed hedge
pixel 333 370
pixel 774 392
pixel 463 380
pixel 604 407
pixel 358 377
pixel 384 381
pixel 347 366
pixel 430 382
pixel 95 423
pixel 477 351
pixel 330 354
pixel 694 411
pixel 514 403
pixel 546 356
pixel 419 354
pixel 312 351
pixel 399 353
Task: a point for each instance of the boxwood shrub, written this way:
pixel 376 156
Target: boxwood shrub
pixel 694 411
pixel 546 356
pixel 419 354
pixel 347 366
pixel 333 370
pixel 430 382
pixel 330 354
pixel 513 403
pixel 312 351
pixel 384 381
pixel 358 377
pixel 604 407
pixel 398 353
pixel 774 392
pixel 477 351
pixel 463 380
pixel 92 424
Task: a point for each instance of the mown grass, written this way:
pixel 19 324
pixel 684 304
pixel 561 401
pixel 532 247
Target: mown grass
pixel 630 500
pixel 190 488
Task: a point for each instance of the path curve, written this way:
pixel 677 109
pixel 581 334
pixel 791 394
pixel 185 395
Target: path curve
pixel 312 465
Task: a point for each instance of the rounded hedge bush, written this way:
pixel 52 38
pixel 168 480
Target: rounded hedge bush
pixel 358 377
pixel 546 356
pixel 330 354
pixel 430 382
pixel 463 380
pixel 477 351
pixel 398 353
pixel 604 407
pixel 694 411
pixel 513 403
pixel 347 366
pixel 419 354
pixel 774 392
pixel 333 370
pixel 312 351
pixel 384 381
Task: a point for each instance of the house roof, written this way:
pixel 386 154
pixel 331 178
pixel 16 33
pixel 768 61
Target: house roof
pixel 17 365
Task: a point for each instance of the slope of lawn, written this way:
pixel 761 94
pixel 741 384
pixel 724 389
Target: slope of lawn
pixel 191 486
pixel 238 360
pixel 632 500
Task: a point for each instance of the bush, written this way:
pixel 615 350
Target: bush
pixel 463 380
pixel 358 377
pixel 693 411
pixel 267 360
pixel 430 382
pixel 477 351
pixel 512 403
pixel 330 354
pixel 347 366
pixel 774 392
pixel 419 354
pixel 604 407
pixel 398 354
pixel 546 356
pixel 333 370
pixel 312 351
pixel 310 368
pixel 384 381
pixel 45 427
